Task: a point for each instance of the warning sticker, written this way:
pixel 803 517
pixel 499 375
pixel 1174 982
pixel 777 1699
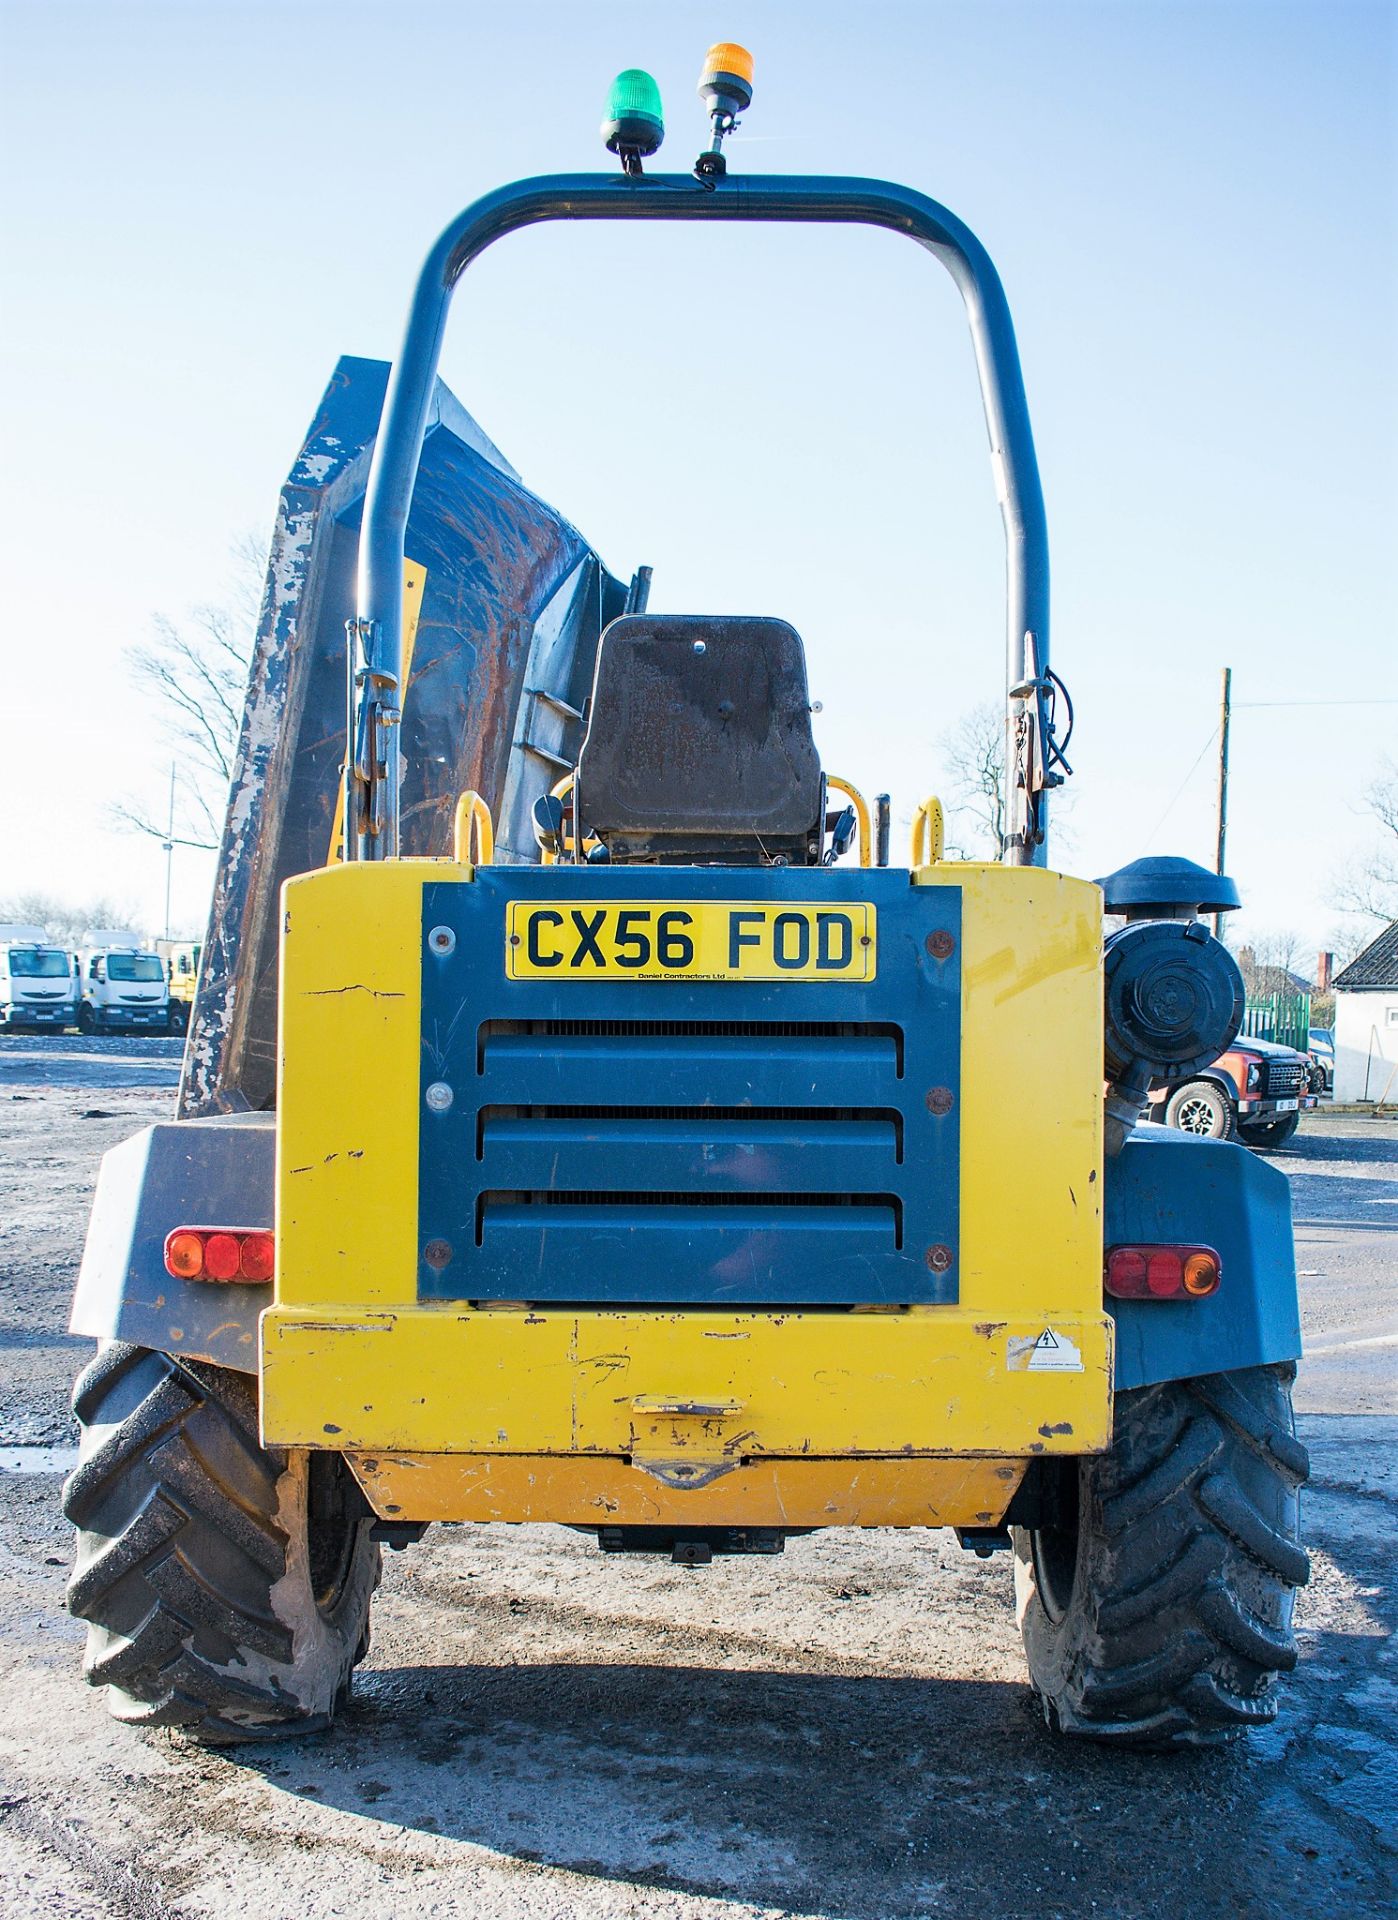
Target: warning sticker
pixel 1046 1352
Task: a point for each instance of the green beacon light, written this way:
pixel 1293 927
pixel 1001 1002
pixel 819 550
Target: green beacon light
pixel 635 122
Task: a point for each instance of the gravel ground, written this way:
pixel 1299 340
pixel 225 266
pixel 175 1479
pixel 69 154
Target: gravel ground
pixel 542 1732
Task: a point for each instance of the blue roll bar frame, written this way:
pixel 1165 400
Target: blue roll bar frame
pixel 376 633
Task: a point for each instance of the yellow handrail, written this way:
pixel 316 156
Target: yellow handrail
pixel 929 832
pixel 861 814
pixel 472 820
pixel 565 845
pixel 560 792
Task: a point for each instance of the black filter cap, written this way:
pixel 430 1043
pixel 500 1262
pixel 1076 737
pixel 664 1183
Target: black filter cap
pixel 1173 997
pixel 1168 884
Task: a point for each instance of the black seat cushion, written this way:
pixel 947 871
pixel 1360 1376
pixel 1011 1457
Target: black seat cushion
pixel 701 729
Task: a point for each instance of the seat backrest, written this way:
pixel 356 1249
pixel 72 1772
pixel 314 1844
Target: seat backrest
pixel 699 742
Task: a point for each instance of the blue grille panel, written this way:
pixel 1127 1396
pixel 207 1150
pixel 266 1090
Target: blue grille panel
pixel 791 1143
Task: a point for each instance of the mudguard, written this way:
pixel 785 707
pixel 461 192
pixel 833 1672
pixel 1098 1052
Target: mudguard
pixel 216 1171
pixel 1174 1188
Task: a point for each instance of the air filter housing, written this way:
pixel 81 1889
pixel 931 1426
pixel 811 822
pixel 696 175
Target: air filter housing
pixel 1174 999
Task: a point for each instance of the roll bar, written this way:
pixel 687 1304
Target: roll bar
pixel 371 771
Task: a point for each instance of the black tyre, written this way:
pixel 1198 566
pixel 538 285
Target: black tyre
pixel 86 1021
pixel 177 1019
pixel 1156 1612
pixel 226 1586
pixel 1202 1107
pixel 1269 1134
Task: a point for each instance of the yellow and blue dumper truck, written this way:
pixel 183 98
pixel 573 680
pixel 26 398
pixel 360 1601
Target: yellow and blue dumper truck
pixel 583 1122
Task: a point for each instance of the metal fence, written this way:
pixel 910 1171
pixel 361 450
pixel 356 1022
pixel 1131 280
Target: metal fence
pixel 1283 1017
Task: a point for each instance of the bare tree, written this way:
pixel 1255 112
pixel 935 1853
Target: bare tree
pixel 973 754
pixel 65 921
pixel 1369 886
pixel 193 674
pixel 1268 959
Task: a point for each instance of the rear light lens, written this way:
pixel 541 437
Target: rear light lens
pixel 184 1254
pixel 1162 1273
pixel 221 1253
pixel 256 1257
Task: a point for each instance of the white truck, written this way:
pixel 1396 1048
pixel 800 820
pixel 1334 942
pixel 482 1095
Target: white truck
pixel 37 984
pixel 122 984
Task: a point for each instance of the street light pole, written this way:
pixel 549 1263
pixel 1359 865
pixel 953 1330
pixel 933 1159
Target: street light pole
pixel 169 844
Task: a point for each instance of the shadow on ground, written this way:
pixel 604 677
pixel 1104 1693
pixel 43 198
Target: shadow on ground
pixel 857 1798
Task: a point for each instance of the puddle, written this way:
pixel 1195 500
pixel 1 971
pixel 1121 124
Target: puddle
pixel 38 1459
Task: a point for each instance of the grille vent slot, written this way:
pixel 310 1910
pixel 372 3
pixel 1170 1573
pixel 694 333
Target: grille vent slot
pixel 624 1030
pixel 578 1117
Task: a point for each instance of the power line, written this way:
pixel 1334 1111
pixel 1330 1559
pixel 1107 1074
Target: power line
pixel 1180 789
pixel 1315 703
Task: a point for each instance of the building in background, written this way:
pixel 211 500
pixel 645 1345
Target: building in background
pixel 1366 1022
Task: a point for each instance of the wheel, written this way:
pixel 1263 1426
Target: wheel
pixel 86 1020
pixel 226 1586
pixel 177 1019
pixel 1202 1107
pixel 1270 1134
pixel 1156 1611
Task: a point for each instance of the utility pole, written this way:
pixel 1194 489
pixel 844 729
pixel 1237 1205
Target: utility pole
pixel 169 844
pixel 1226 707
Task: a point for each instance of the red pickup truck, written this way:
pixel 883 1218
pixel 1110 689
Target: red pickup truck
pixel 1256 1092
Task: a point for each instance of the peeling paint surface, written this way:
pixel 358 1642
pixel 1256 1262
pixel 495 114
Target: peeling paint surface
pixel 495 558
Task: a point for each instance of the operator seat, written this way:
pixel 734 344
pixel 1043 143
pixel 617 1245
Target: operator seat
pixel 699 747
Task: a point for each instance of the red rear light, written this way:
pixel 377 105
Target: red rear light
pixel 1162 1273
pixel 221 1253
pixel 257 1257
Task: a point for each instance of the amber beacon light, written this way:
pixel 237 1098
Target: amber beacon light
pixel 725 86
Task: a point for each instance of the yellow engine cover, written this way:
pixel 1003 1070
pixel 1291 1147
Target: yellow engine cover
pixel 919 1415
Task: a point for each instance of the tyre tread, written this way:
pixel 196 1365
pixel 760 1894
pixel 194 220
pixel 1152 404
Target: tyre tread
pixel 180 1545
pixel 1168 1647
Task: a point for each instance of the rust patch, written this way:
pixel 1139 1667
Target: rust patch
pixel 1062 1426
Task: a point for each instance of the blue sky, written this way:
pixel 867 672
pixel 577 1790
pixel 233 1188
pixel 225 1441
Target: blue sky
pixel 1192 208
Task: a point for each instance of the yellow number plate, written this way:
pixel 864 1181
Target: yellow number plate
pixel 689 940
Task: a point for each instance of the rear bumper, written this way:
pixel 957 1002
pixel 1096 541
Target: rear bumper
pixel 686 1396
